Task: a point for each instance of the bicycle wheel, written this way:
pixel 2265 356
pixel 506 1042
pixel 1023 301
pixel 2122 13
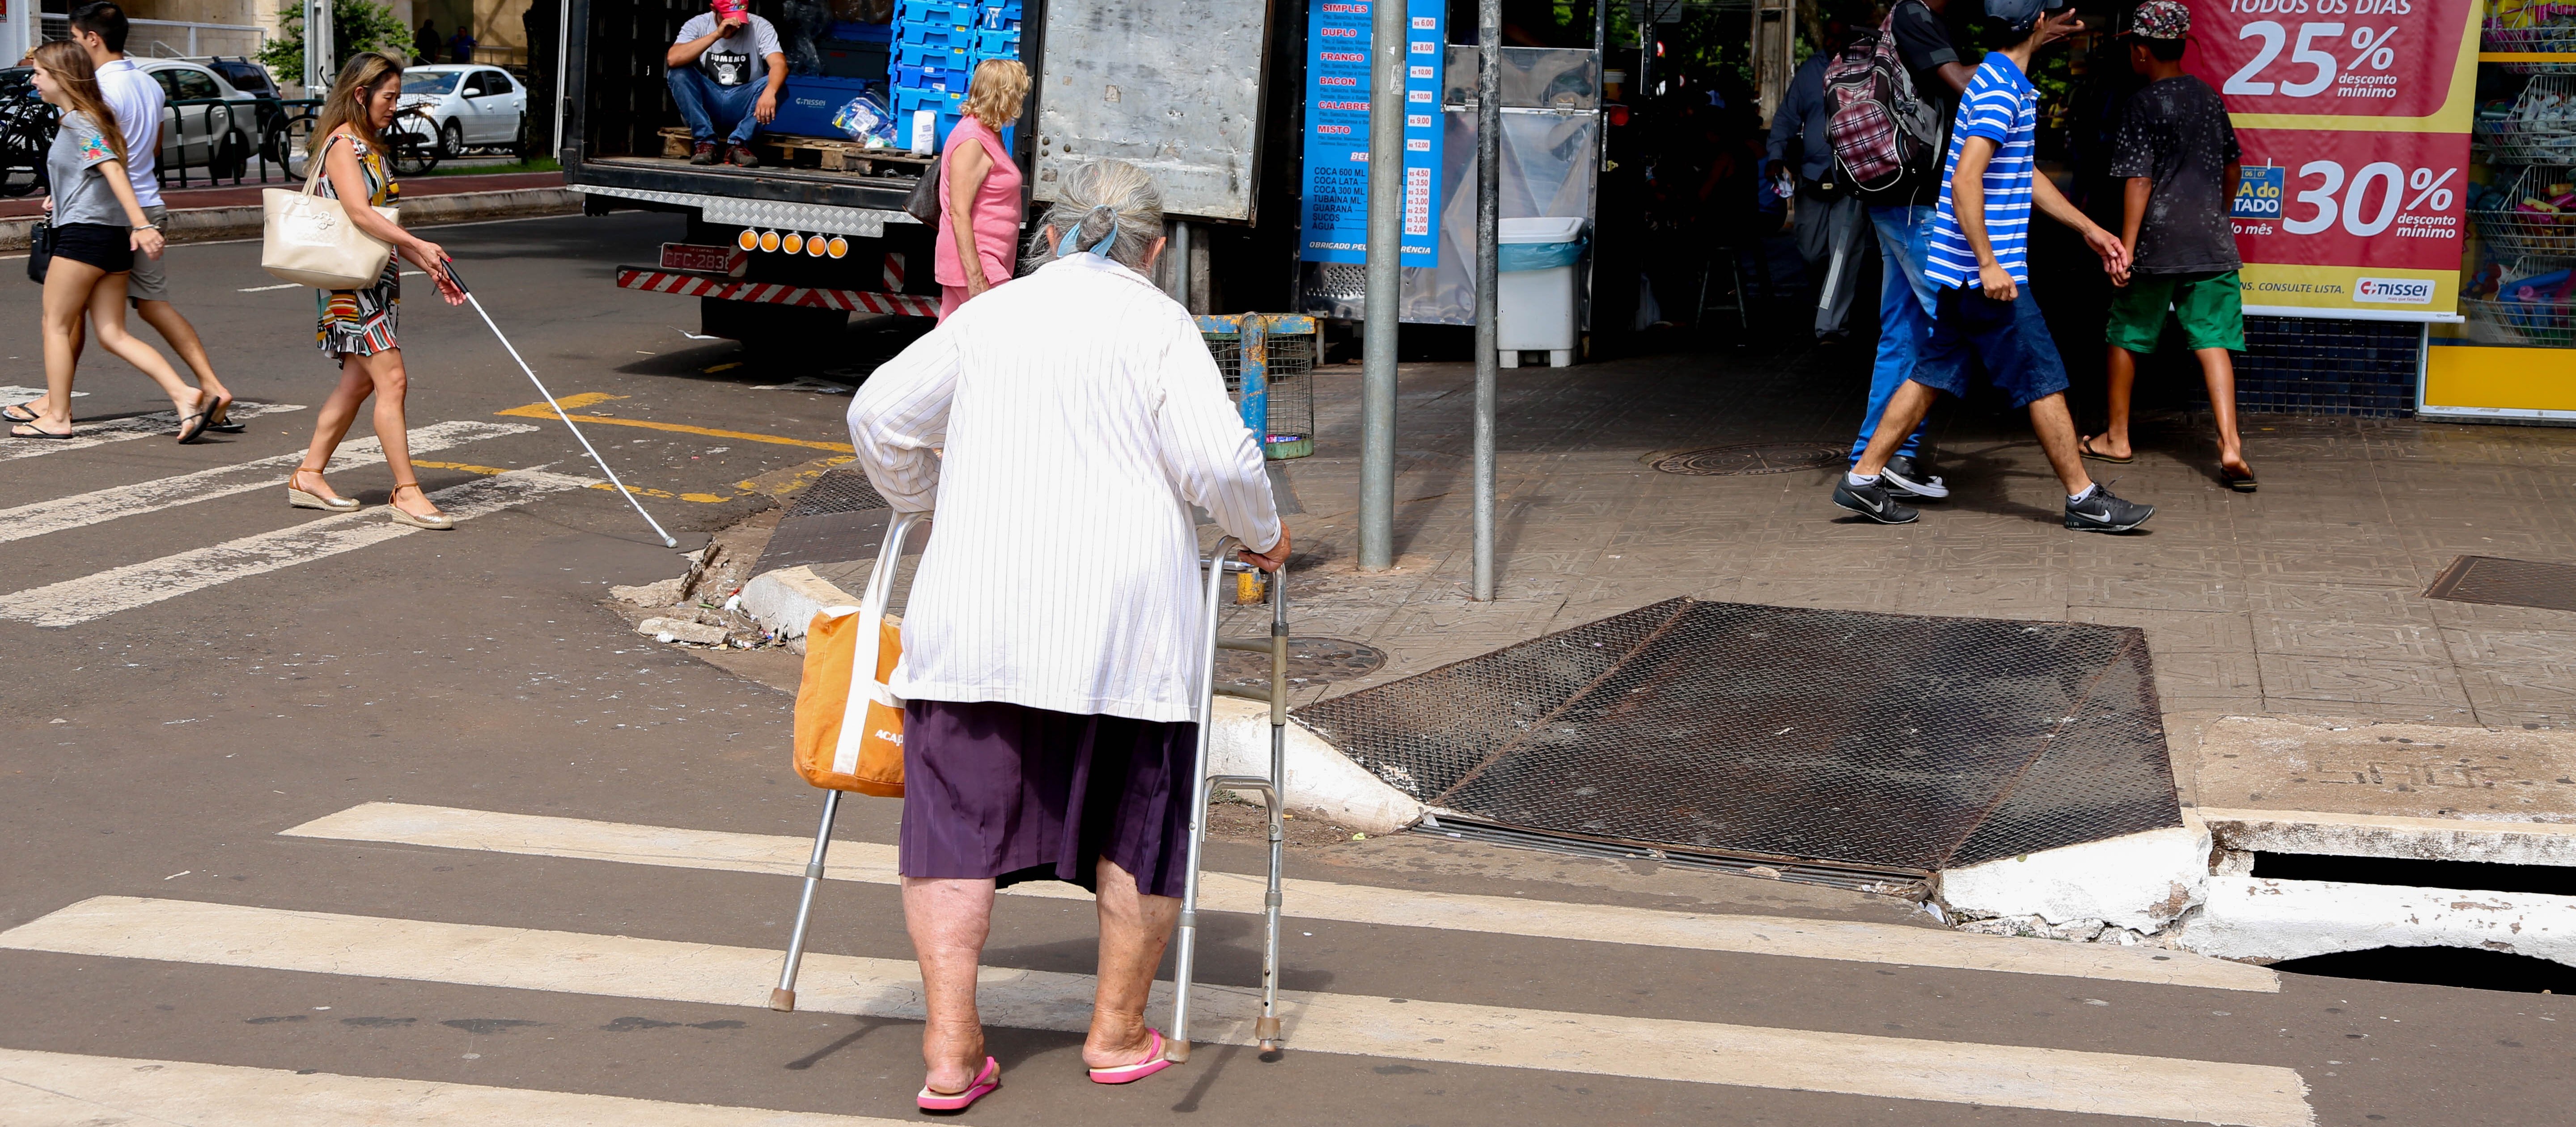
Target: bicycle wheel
pixel 21 163
pixel 283 147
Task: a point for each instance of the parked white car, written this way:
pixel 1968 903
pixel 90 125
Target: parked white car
pixel 204 135
pixel 475 106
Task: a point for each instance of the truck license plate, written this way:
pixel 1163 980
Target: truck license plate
pixel 697 256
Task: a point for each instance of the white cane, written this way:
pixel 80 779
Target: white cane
pixel 622 491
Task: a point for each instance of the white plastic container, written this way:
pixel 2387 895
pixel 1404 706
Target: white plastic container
pixel 1536 310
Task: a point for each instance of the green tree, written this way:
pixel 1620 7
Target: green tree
pixel 356 25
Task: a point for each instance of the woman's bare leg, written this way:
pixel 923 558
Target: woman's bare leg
pixel 1134 928
pixel 949 920
pixel 66 297
pixel 107 319
pixel 392 384
pixel 331 424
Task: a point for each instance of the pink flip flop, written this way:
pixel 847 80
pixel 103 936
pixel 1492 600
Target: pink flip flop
pixel 984 1084
pixel 1131 1073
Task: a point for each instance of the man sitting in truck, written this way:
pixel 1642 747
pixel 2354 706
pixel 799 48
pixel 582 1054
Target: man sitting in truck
pixel 709 69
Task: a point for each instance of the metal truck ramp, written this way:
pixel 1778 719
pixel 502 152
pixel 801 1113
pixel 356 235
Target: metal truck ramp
pixel 1842 741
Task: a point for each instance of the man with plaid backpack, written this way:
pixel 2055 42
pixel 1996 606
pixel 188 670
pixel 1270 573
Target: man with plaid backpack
pixel 1892 94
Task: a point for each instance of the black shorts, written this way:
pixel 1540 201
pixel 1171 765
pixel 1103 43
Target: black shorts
pixel 109 248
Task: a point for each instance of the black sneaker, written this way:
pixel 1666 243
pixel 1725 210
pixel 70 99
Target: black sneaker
pixel 1905 480
pixel 2103 512
pixel 742 156
pixel 1874 501
pixel 704 152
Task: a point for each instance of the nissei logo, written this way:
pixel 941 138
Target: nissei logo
pixel 2393 291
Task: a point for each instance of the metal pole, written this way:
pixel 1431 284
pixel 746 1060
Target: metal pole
pixel 1177 252
pixel 1489 191
pixel 318 49
pixel 563 51
pixel 1645 55
pixel 1385 260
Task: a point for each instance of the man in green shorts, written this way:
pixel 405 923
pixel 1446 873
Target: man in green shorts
pixel 2178 153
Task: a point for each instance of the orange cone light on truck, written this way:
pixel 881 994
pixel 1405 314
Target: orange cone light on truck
pixel 769 240
pixel 814 246
pixel 839 246
pixel 792 242
pixel 748 239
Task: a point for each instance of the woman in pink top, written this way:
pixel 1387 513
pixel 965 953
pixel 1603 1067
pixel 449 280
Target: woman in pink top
pixel 980 181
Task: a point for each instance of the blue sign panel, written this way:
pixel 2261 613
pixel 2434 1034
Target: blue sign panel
pixel 1334 213
pixel 2258 193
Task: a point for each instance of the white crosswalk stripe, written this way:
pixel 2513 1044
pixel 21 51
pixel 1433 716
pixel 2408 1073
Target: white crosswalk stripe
pixel 98 595
pixel 161 424
pixel 546 836
pixel 39 1089
pixel 1379 1028
pixel 108 504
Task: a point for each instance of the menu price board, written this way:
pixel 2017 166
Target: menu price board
pixel 1333 215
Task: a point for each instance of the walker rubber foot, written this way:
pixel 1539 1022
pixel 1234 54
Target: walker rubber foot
pixel 1266 1030
pixel 1177 1052
pixel 784 1001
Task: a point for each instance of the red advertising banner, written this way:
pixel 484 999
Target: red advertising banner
pixel 2354 116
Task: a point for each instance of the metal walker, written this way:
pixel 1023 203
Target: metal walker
pixel 1271 787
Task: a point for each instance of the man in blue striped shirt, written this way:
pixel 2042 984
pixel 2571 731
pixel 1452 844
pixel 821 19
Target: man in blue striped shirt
pixel 1979 266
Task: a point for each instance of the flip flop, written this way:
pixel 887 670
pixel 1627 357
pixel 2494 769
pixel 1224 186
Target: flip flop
pixel 984 1084
pixel 2086 447
pixel 1131 1073
pixel 221 418
pixel 2242 483
pixel 32 430
pixel 17 413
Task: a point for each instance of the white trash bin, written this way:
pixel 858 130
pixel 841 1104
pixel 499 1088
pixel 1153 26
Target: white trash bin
pixel 1536 304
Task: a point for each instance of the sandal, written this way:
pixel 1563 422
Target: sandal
pixel 18 413
pixel 34 430
pixel 1130 1073
pixel 2240 482
pixel 985 1082
pixel 436 520
pixel 193 427
pixel 2086 448
pixel 298 497
pixel 220 418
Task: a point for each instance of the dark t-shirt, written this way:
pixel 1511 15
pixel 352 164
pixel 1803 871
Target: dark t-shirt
pixel 2176 133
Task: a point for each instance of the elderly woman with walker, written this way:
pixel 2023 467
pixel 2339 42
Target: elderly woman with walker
pixel 1049 729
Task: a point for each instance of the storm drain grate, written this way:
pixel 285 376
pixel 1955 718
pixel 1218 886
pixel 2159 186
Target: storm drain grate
pixel 1880 744
pixel 842 489
pixel 1751 458
pixel 2506 583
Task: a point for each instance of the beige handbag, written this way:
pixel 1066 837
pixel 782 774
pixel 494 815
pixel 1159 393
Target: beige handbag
pixel 307 238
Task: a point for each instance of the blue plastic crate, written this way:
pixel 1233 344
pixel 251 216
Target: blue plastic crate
pixel 990 20
pixel 861 32
pixel 910 98
pixel 932 55
pixel 953 35
pixel 926 77
pixel 806 105
pixel 999 43
pixel 939 12
pixel 1006 9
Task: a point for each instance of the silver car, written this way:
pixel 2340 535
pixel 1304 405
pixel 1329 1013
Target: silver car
pixel 219 133
pixel 473 106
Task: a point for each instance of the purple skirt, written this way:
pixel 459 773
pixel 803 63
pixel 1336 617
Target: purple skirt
pixel 1020 794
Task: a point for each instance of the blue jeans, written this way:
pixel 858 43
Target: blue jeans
pixel 708 107
pixel 2008 339
pixel 1904 313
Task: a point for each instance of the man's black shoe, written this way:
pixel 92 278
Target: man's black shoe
pixel 2103 512
pixel 742 156
pixel 1905 480
pixel 704 152
pixel 1873 501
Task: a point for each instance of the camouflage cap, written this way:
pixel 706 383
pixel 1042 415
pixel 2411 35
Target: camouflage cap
pixel 2159 19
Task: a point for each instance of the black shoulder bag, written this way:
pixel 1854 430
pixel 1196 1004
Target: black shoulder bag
pixel 40 250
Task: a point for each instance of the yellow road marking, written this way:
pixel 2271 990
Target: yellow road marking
pixel 541 411
pixel 468 467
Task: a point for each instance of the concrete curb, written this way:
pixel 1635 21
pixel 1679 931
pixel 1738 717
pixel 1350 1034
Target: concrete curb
pixel 1321 781
pixel 2141 881
pixel 215 224
pixel 2269 920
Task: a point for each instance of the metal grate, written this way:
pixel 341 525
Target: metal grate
pixel 2506 583
pixel 841 490
pixel 1878 744
pixel 1290 346
pixel 2324 366
pixel 1751 458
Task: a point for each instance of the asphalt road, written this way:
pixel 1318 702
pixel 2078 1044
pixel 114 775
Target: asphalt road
pixel 219 672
